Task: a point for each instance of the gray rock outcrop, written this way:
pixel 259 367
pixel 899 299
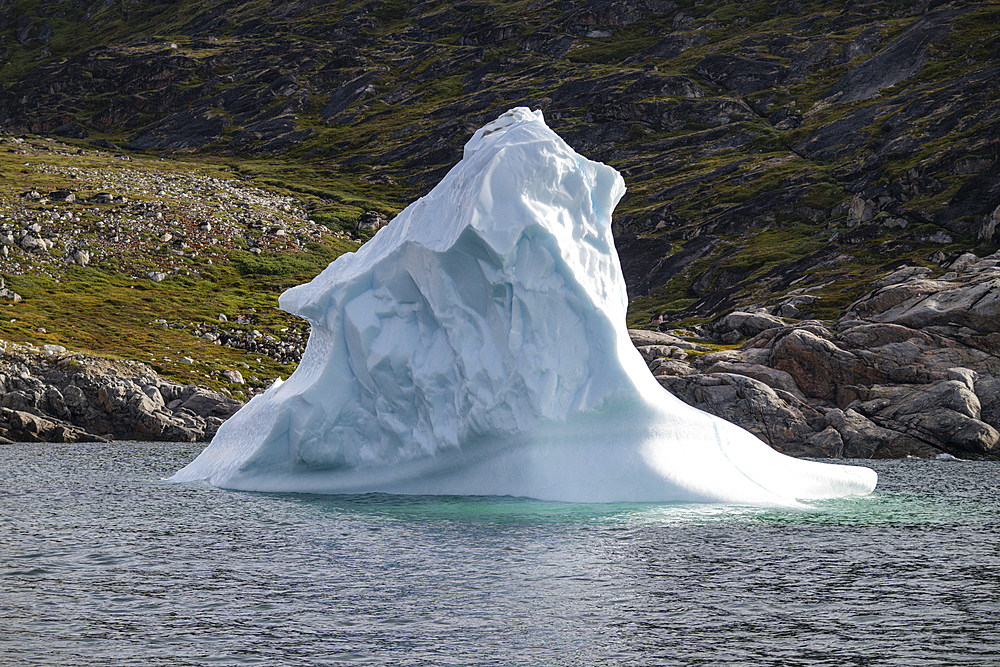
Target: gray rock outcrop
pixel 911 369
pixel 72 398
pixel 899 60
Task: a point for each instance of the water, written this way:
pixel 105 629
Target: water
pixel 102 563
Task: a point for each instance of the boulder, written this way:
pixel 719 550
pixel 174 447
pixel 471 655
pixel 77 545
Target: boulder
pixel 902 274
pixel 54 404
pixel 746 324
pixel 772 377
pixel 74 399
pixel 860 211
pixel 868 336
pixel 641 338
pixel 207 403
pixel 816 365
pixel 21 426
pixel 825 444
pixel 22 400
pixel 864 439
pixel 371 221
pixel 63 196
pixel 923 303
pixel 32 243
pixel 81 257
pixel 746 402
pixel 10 295
pixel 160 425
pixel 945 414
pixel 233 376
pixel 670 367
pixel 968 296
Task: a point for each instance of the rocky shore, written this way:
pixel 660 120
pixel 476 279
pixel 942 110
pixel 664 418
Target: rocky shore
pixel 795 150
pixel 910 369
pixel 48 395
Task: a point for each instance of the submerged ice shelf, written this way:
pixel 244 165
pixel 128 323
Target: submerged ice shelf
pixel 477 346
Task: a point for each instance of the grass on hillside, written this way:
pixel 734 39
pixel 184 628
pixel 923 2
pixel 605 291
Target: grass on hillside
pixel 338 175
pixel 103 312
pixel 100 309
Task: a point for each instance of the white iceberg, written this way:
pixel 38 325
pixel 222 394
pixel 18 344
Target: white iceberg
pixel 477 346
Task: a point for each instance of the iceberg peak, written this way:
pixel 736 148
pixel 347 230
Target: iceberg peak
pixel 477 345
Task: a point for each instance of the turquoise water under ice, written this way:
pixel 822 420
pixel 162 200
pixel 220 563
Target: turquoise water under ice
pixel 103 563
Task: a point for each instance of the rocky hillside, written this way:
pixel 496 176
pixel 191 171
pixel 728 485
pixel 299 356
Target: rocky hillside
pixel 172 263
pixel 767 145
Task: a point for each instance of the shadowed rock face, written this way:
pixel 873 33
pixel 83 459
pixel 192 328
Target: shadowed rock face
pixel 741 75
pixel 897 61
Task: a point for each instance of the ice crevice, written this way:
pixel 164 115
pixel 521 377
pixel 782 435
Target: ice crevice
pixel 477 345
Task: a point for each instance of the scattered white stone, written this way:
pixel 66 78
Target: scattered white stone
pixel 32 243
pixel 235 377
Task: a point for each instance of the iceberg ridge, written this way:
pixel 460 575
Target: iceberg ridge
pixel 477 345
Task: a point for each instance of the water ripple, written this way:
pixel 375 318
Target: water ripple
pixel 103 563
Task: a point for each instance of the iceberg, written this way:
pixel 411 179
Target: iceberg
pixel 477 345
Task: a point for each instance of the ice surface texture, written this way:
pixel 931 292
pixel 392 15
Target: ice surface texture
pixel 477 345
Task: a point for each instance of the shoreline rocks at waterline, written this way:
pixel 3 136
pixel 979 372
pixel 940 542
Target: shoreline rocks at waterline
pixel 910 369
pixel 46 397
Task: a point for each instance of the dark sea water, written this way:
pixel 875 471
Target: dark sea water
pixel 102 563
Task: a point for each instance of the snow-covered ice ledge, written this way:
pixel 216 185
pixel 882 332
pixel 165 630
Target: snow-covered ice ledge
pixel 477 345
